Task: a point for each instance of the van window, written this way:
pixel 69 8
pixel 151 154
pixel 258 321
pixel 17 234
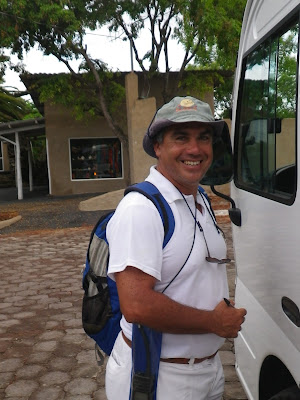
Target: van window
pixel 265 147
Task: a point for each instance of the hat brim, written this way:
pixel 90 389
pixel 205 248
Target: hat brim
pixel 158 126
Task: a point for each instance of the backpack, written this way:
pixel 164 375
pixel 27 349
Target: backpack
pixel 101 313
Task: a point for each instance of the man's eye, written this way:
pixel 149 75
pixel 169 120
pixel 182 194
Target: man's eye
pixel 181 138
pixel 205 138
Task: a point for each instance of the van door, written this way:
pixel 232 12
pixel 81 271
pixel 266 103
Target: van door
pixel 267 245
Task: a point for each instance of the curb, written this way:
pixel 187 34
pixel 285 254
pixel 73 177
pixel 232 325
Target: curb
pixel 8 222
pixel 103 202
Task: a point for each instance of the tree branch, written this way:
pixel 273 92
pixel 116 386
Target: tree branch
pixel 115 128
pixel 130 37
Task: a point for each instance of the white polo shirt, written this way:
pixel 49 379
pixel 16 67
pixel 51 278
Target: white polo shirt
pixel 135 235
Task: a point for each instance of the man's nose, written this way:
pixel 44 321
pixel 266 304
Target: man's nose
pixel 194 146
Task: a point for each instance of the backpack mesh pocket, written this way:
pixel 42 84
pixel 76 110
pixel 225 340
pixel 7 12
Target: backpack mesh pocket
pixel 96 310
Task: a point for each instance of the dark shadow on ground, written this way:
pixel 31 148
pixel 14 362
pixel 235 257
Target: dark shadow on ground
pixel 39 210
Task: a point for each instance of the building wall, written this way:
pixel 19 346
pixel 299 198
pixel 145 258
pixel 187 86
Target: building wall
pixel 60 127
pixel 139 115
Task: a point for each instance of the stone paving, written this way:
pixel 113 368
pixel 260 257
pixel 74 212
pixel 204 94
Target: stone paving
pixel 44 353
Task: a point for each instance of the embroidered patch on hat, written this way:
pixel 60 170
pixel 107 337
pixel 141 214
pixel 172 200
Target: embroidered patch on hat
pixel 186 104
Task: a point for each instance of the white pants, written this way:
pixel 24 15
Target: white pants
pixel 202 381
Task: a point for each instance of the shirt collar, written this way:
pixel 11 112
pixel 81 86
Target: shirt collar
pixel 167 189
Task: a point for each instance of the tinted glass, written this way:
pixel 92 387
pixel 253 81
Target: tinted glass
pixel 266 124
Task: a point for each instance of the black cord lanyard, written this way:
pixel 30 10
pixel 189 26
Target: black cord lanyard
pixel 209 210
pixel 194 215
pixel 210 259
pixel 211 213
pixel 197 223
pixel 186 258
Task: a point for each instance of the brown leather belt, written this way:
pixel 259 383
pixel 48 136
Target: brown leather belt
pixel 187 360
pixel 126 340
pixel 176 360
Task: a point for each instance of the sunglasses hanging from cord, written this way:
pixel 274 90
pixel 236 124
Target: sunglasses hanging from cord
pixel 208 258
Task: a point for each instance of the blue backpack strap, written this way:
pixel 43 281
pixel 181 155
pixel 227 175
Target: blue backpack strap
pixel 146 342
pixel 146 349
pixel 152 193
pixel 200 188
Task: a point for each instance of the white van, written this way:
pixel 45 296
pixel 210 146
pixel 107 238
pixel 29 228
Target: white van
pixel 267 243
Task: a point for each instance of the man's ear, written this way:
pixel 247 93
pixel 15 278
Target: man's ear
pixel 156 147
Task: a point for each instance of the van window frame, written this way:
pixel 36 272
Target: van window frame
pixel 276 32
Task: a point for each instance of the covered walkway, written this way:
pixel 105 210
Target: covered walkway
pixel 10 133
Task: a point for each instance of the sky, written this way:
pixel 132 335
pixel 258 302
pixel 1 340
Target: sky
pixel 116 55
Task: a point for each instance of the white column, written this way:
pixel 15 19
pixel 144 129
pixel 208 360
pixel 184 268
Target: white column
pixel 30 167
pixel 18 168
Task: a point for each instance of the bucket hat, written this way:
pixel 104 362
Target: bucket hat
pixel 178 111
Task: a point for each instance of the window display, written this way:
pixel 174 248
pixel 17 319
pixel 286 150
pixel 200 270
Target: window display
pixel 96 158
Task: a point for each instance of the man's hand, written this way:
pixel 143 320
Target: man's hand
pixel 228 320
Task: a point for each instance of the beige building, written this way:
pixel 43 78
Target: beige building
pixel 87 157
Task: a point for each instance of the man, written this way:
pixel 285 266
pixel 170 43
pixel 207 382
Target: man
pixel 191 313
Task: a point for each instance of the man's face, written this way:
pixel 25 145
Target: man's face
pixel 185 154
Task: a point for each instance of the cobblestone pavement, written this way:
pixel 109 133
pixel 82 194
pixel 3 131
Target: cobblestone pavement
pixel 44 354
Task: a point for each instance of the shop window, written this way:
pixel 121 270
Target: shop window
pixel 266 141
pixel 96 158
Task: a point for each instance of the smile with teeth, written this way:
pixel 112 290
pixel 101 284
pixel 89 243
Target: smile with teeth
pixel 191 162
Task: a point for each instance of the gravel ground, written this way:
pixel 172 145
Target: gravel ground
pixel 41 211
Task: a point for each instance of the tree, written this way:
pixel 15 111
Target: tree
pixel 208 30
pixel 14 108
pixel 11 107
pixel 58 27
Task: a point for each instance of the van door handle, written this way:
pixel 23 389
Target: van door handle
pixel 291 310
